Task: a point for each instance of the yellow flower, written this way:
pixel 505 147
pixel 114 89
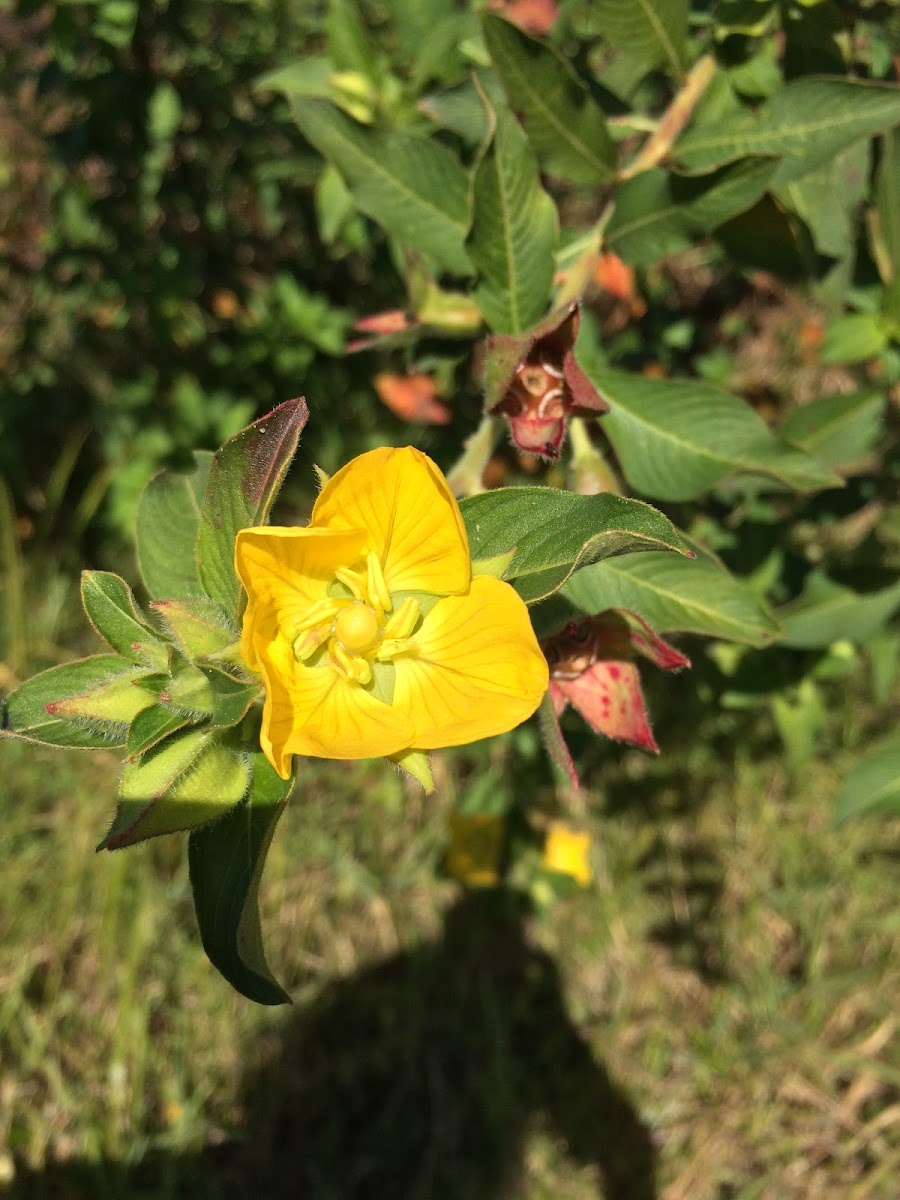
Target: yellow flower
pixel 370 633
pixel 566 851
pixel 476 846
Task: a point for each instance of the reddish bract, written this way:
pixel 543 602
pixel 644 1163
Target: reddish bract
pixel 590 669
pixel 535 382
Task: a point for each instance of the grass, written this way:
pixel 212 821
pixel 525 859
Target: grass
pixel 713 1019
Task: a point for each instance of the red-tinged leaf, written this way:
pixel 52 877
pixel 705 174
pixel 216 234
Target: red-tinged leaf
pixel 647 641
pixel 393 320
pixel 411 398
pixel 608 695
pixel 243 482
pixel 533 16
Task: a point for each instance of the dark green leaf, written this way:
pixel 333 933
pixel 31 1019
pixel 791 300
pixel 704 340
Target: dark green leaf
pixel 514 232
pixel 168 516
pixel 566 128
pixel 675 595
pixel 416 189
pixel 676 439
pixel 651 32
pixel 556 532
pixel 873 786
pixel 658 213
pixel 226 864
pixel 243 482
pixel 806 123
pixel 111 609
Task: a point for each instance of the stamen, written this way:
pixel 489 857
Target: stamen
pixel 305 643
pixel 390 648
pixel 323 610
pixel 341 660
pixel 352 580
pixel 379 596
pixel 551 395
pixel 353 668
pixel 403 622
pixel 555 372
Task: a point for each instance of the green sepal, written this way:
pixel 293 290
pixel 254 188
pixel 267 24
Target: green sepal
pixel 197 625
pixel 110 608
pixel 32 711
pixel 187 780
pixel 417 764
pixel 497 565
pixel 553 533
pixel 226 861
pixel 244 480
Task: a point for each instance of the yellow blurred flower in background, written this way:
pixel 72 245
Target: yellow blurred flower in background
pixel 370 633
pixel 566 850
pixel 476 848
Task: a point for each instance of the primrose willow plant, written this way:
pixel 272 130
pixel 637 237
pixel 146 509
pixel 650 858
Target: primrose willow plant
pixel 395 622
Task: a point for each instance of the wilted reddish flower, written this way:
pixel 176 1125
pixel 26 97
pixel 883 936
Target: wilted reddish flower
pixel 591 669
pixel 411 397
pixel 535 382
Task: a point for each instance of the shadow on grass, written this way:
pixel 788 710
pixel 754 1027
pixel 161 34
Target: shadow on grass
pixel 414 1080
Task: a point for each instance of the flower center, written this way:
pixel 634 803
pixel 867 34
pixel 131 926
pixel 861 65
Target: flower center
pixel 356 630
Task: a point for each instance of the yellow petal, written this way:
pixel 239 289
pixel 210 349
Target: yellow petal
pixel 478 670
pixel 314 711
pixel 284 572
pixel 414 524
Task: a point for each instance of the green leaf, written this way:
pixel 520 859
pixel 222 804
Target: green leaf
pixel 873 786
pixel 853 338
pixel 566 128
pixel 885 230
pixel 88 682
pixel 675 439
pixel 203 693
pixel 514 232
pixel 675 595
pixel 196 625
pixel 555 533
pixel 187 780
pixel 651 32
pixel 827 612
pixel 806 123
pixel 110 606
pixel 837 430
pixel 416 189
pixel 243 482
pixel 150 726
pixel 658 213
pixel 226 863
pixel 828 200
pixel 168 516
